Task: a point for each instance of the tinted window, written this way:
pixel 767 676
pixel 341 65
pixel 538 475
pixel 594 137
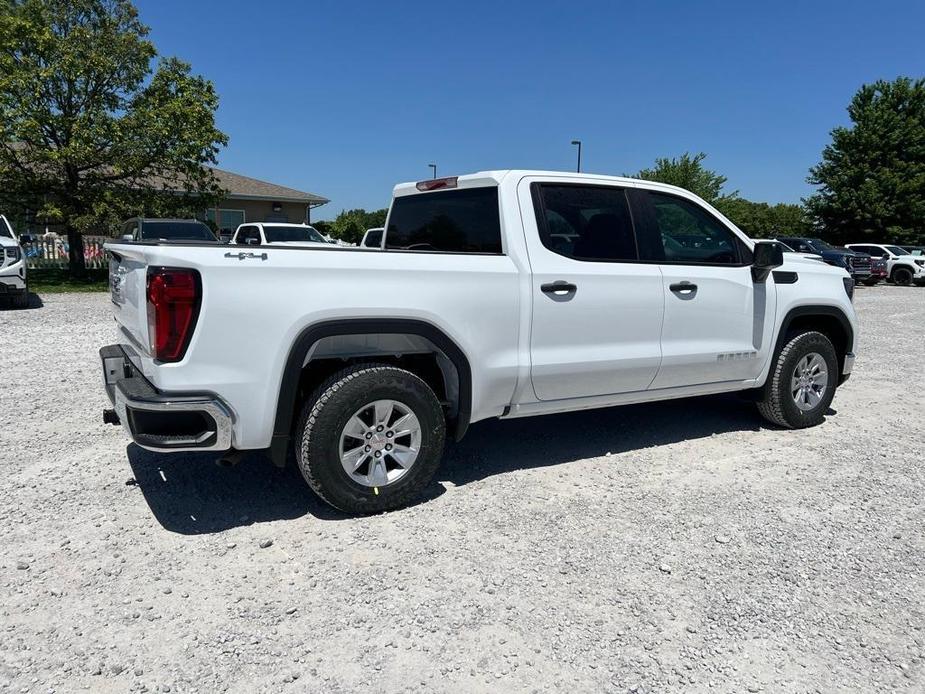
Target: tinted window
pixel 176 231
pixel 5 228
pixel 585 222
pixel 374 239
pixel 690 234
pixel 896 250
pixel 281 234
pixel 246 234
pixel 455 221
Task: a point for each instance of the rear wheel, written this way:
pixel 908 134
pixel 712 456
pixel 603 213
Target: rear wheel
pixel 902 276
pixel 802 382
pixel 370 439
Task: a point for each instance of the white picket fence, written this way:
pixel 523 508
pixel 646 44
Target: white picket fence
pixel 52 253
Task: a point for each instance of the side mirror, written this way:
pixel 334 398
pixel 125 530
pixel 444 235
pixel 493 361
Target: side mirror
pixel 766 256
pixel 128 238
pixel 252 241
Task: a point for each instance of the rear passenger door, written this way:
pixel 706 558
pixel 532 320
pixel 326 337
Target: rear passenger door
pixel 718 321
pixel 597 310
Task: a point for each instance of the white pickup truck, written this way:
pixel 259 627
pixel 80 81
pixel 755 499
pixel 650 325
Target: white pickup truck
pixel 497 294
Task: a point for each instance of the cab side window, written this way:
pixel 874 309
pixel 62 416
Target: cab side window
pixel 249 236
pixel 690 234
pixel 583 222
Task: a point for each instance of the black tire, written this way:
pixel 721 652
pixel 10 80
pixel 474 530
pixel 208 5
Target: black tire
pixel 21 301
pixel 871 283
pixel 777 404
pixel 326 413
pixel 902 276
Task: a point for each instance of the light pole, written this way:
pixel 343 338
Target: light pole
pixel 434 167
pixel 578 142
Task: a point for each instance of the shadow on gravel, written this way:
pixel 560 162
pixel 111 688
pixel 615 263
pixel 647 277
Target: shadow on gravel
pixel 35 301
pixel 495 447
pixel 190 494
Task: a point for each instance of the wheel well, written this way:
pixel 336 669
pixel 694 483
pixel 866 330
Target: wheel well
pixel 829 325
pixel 421 348
pixel 425 366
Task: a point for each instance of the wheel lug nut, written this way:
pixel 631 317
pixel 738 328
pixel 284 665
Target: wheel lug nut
pixel 380 428
pixel 378 454
pixel 369 435
pixel 389 434
pixel 388 446
pixel 368 448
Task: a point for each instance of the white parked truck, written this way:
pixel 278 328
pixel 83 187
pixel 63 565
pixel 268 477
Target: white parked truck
pixel 14 282
pixel 497 294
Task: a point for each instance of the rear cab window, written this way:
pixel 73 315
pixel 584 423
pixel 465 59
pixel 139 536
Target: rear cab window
pixel 465 220
pixel 176 231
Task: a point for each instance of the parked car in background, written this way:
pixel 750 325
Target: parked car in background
pixel 878 271
pixel 372 238
pixel 788 249
pixel 277 234
pixel 14 281
pixel 142 229
pixel 857 264
pixel 902 267
pixel 475 308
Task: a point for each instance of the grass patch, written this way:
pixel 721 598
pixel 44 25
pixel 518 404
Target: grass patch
pixel 58 281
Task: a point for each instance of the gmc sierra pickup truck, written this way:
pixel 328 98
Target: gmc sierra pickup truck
pixel 497 294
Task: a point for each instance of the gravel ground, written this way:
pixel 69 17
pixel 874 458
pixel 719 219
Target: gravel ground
pixel 665 547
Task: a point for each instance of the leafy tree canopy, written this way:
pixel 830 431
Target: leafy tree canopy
pixel 872 175
pixel 757 219
pixel 90 131
pixel 350 225
pixel 688 172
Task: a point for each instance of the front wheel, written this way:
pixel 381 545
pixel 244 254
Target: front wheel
pixel 370 438
pixel 802 382
pixel 902 276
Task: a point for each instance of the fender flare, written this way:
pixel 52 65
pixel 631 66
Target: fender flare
pixel 289 384
pixel 815 310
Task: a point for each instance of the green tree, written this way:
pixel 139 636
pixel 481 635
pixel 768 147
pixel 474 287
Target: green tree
pixel 761 220
pixel 688 172
pixel 350 225
pixel 90 132
pixel 872 175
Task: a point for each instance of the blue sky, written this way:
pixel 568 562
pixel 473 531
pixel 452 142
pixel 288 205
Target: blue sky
pixel 345 99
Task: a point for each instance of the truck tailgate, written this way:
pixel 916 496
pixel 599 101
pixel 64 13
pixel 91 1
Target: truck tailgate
pixel 127 288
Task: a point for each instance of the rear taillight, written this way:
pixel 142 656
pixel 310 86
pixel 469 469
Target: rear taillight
pixel 173 306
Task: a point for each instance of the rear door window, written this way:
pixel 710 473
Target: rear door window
pixel 450 221
pixel 583 222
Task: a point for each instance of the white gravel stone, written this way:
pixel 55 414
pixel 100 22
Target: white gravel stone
pixel 546 545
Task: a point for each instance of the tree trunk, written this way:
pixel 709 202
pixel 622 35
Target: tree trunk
pixel 76 263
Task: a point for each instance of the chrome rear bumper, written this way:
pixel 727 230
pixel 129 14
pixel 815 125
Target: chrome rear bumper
pixel 159 421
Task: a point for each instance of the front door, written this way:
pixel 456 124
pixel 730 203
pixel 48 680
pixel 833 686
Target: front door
pixel 718 321
pixel 597 310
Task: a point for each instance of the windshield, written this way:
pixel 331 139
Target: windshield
pixel 5 228
pixel 821 245
pixel 176 231
pixel 281 234
pixel 896 250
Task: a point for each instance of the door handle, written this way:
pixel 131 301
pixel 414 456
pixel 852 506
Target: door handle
pixel 684 288
pixel 559 288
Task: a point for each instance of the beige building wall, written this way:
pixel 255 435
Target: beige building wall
pixel 232 212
